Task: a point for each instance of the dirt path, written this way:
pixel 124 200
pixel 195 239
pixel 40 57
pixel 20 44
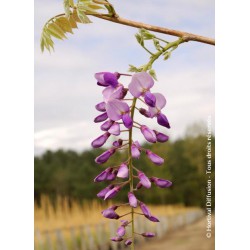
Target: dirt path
pixel 192 237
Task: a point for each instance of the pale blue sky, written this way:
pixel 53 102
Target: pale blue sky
pixel 66 91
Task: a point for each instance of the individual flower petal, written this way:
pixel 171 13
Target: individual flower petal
pixel 150 99
pixel 104 156
pixel 152 218
pixel 148 235
pixel 101 106
pixel 111 93
pixel 115 129
pixel 145 209
pixel 128 242
pixel 98 142
pixel 161 137
pixel 116 108
pixel 135 151
pixel 106 125
pixel 144 112
pixel 127 121
pixel 123 171
pixel 163 120
pixel 112 193
pixel 140 83
pixel 117 143
pixel 117 239
pixel 112 175
pixel 121 231
pixel 160 103
pixel 110 214
pixel 144 180
pixel 110 79
pixel 104 191
pixel 156 159
pixel 101 118
pixel 148 134
pixel 161 182
pixel 103 175
pixel 132 199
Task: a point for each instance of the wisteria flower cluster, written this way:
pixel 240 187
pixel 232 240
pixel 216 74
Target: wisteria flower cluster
pixel 117 116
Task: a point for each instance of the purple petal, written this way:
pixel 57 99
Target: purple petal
pixel 101 106
pixel 161 137
pixel 135 151
pixel 144 112
pixel 161 182
pixel 121 231
pixel 98 142
pixel 150 99
pixel 111 175
pixel 139 185
pixel 106 125
pixel 132 199
pixel 115 129
pixel 112 193
pixel 101 118
pixel 127 121
pixel 144 180
pixel 148 235
pixel 145 209
pixel 110 93
pixel 117 143
pixel 152 218
pixel 159 104
pixel 104 191
pixel 156 159
pixel 123 171
pixel 116 108
pixel 103 175
pixel 110 214
pixel 110 79
pixel 128 242
pixel 148 134
pixel 100 79
pixel 104 156
pixel 163 120
pixel 117 239
pixel 124 223
pixel 140 82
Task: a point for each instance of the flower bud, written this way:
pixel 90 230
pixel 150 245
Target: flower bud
pixel 103 175
pixel 152 218
pixel 148 235
pixel 145 209
pixel 121 231
pixel 150 99
pixel 106 125
pixel 127 121
pixel 100 141
pixel 144 112
pixel 117 239
pixel 132 199
pixel 111 175
pixel 156 159
pixel 161 137
pixel 135 151
pixel 148 134
pixel 114 129
pixel 144 180
pixel 117 143
pixel 163 120
pixel 123 171
pixel 128 242
pixel 104 156
pixel 112 193
pixel 104 191
pixel 110 214
pixel 161 182
pixel 101 118
pixel 101 107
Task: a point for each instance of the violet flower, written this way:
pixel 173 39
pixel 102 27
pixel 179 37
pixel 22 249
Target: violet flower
pixel 148 235
pixel 148 134
pixel 106 79
pixel 104 191
pixel 152 218
pixel 132 200
pixel 101 118
pixel 103 175
pixel 156 159
pixel 100 141
pixel 115 129
pixel 112 193
pixel 117 110
pixel 140 85
pixel 135 150
pixel 117 143
pixel 111 93
pixel 160 137
pixel 111 175
pixel 124 223
pixel 104 156
pixel 128 242
pixel 106 125
pixel 123 171
pixel 144 112
pixel 110 213
pixel 121 231
pixel 145 209
pixel 101 106
pixel 161 182
pixel 117 239
pixel 144 180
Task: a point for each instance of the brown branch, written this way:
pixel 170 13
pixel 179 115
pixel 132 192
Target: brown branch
pixel 185 35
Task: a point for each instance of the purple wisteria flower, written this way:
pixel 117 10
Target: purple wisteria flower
pixel 140 85
pixel 117 113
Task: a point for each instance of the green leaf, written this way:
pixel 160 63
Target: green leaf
pixel 56 31
pixel 139 39
pixel 146 34
pixel 152 73
pixel 66 5
pixel 64 24
pixel 82 16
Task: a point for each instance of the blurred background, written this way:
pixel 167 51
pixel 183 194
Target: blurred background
pixel 67 214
